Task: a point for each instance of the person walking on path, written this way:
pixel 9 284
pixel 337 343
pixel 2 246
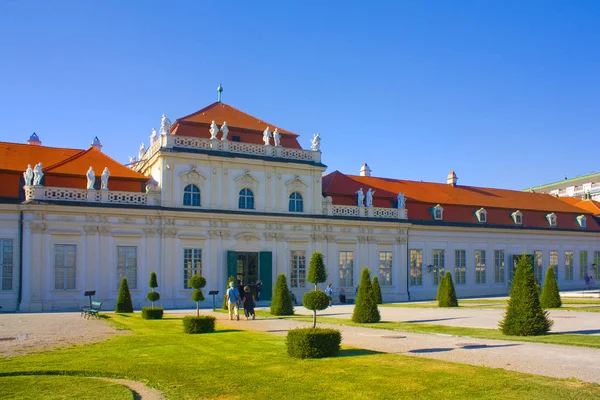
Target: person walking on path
pixel 587 282
pixel 258 287
pixel 329 293
pixel 342 296
pixel 248 303
pixel 233 296
pixel 591 281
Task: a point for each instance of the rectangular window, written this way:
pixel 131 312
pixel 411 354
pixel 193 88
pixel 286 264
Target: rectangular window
pixel 583 264
pixel 385 268
pixel 479 266
pixel 460 266
pixel 127 265
pixel 499 266
pixel 65 266
pixel 6 263
pixel 416 267
pixel 554 262
pixel 298 269
pixel 346 269
pixel 192 265
pixel 438 266
pixel 596 261
pixel 568 265
pixel 537 266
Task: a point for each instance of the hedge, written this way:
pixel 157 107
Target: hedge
pixel 202 324
pixel 152 313
pixel 313 342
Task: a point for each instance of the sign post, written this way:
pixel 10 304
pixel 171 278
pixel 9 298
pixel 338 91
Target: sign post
pixel 214 293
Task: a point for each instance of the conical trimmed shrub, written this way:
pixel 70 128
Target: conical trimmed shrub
pixel 377 291
pixel 550 295
pixel 441 286
pixel 366 310
pixel 124 304
pixel 524 315
pixel 317 272
pixel 281 303
pixel 446 292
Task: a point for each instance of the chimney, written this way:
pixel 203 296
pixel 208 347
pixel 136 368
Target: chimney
pixel 365 170
pixel 34 140
pixel 96 144
pixel 451 179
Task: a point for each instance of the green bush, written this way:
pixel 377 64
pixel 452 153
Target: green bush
pixel 153 296
pixel 152 313
pixel 365 310
pixel 447 294
pixel 124 304
pixel 524 315
pixel 550 294
pixel 281 303
pixel 313 342
pixel 377 291
pixel 315 300
pixel 153 283
pixel 197 282
pixel 203 324
pixel 441 287
pixel 230 279
pixel 317 272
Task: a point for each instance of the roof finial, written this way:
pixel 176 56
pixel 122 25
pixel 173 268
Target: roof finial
pixel 219 91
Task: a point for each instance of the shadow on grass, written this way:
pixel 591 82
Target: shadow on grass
pixel 357 352
pixel 486 346
pixel 432 350
pixel 433 320
pixel 581 332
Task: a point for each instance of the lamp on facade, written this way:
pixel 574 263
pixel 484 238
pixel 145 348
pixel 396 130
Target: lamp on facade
pixel 429 268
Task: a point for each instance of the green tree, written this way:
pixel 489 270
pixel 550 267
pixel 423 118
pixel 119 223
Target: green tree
pixel 153 295
pixel 197 282
pixel 441 287
pixel 524 315
pixel 366 310
pixel 446 293
pixel 377 291
pixel 124 304
pixel 550 295
pixel 281 303
pixel 230 279
pixel 316 270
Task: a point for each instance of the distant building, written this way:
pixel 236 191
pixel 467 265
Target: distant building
pixel 582 187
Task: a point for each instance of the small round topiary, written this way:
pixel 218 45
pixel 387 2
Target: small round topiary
pixel 153 296
pixel 313 342
pixel 315 300
pixel 152 313
pixel 202 324
pixel 197 282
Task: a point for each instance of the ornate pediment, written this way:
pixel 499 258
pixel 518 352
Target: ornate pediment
pixel 296 184
pixel 192 176
pixel 247 180
pixel 248 237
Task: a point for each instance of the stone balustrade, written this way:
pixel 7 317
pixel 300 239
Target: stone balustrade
pixel 367 212
pixel 91 196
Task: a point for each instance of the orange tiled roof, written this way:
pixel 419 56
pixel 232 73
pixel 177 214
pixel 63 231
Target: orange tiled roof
pixel 590 206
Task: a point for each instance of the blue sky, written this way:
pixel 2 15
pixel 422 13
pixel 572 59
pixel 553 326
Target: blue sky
pixel 506 93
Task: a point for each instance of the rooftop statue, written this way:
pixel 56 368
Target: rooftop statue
pixel 37 174
pixel 104 178
pixel 153 137
pixel 315 144
pixel 214 129
pixel 225 131
pixel 132 161
pixel 360 197
pixel 91 178
pixel 370 194
pixel 165 125
pixel 277 138
pixel 142 151
pixel 28 175
pixel 401 200
pixel 267 136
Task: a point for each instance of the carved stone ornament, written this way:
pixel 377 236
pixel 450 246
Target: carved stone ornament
pixel 248 225
pixel 193 222
pixel 28 175
pixel 66 218
pixel 247 180
pixel 126 220
pixel 401 240
pixel 91 178
pixel 90 229
pixel 37 174
pixel 103 219
pixel 149 221
pixel 330 238
pixel 297 228
pixel 38 228
pixel 39 216
pixel 104 230
pixel 296 185
pixel 346 230
pixel 151 232
pixel 168 232
pixel 274 236
pixel 248 237
pixel 168 221
pixel 363 239
pixel 192 176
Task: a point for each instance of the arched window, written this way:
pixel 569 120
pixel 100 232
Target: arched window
pixel 246 200
pixel 191 196
pixel 296 204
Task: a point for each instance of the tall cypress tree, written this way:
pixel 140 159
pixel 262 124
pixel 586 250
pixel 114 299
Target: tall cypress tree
pixel 281 304
pixel 124 304
pixel 550 295
pixel 524 315
pixel 366 309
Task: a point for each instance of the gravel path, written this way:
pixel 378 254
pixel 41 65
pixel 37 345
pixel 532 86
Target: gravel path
pixel 25 333
pixel 140 391
pixel 535 358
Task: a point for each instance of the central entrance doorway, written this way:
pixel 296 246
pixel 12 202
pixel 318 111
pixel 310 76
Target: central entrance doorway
pixel 247 269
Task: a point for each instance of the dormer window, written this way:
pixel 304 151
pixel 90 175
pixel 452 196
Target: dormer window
pixel 517 217
pixel 438 213
pixel 481 215
pixel 551 218
pixel 581 220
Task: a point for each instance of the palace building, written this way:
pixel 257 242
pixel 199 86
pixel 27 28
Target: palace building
pixel 222 193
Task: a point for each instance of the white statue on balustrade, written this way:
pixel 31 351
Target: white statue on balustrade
pixel 132 162
pixel 370 194
pixel 214 129
pixel 37 174
pixel 28 175
pixel 401 200
pixel 224 131
pixel 315 143
pixel 277 138
pixel 142 151
pixel 153 137
pixel 91 178
pixel 267 135
pixel 165 125
pixel 360 197
pixel 104 178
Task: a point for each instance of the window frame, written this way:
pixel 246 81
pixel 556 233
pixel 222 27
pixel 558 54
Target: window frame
pixel 460 267
pixel 517 217
pixel 439 265
pixel 582 221
pixel 569 265
pixel 7 264
pixel 191 255
pixel 132 283
pixel 553 254
pixel 385 268
pixel 297 202
pixel 552 220
pixel 66 282
pixel 499 266
pixel 346 269
pixel 438 209
pixel 481 215
pixel 416 267
pixel 538 266
pixel 191 195
pixel 583 264
pixel 247 197
pixel 480 266
pixel 298 269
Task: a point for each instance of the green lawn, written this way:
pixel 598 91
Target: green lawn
pixel 231 364
pixel 591 305
pixel 61 387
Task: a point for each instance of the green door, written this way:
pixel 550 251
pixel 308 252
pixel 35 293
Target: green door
pixel 266 274
pixel 231 263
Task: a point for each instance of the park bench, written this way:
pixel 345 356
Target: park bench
pixel 91 310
